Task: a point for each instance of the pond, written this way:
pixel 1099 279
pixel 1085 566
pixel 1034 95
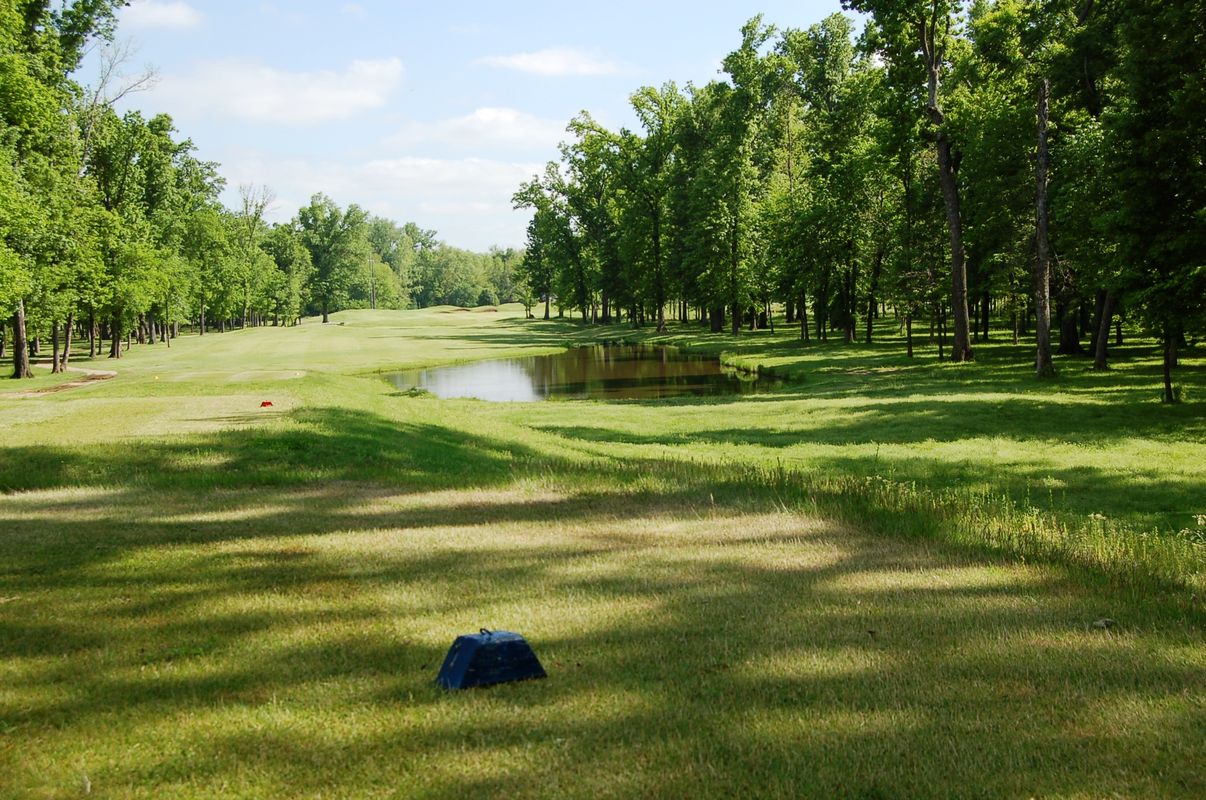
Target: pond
pixel 597 372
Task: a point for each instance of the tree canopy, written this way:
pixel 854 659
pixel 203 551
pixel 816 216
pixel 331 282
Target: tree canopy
pixel 1032 161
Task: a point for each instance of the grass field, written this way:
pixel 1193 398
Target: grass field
pixel 878 582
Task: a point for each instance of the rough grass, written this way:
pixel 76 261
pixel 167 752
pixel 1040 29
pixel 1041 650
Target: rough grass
pixel 199 597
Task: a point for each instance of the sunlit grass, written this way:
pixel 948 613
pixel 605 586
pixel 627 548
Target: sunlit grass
pixel 778 650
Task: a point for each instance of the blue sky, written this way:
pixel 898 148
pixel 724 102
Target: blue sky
pixel 426 112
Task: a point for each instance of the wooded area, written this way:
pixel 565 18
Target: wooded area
pixel 1012 168
pixel 991 169
pixel 111 227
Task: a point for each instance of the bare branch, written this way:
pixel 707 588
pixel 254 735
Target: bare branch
pixel 103 95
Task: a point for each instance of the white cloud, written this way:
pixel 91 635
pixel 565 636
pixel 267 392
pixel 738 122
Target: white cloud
pixel 554 61
pixel 467 201
pixel 352 9
pixel 291 15
pixel 246 90
pixel 160 14
pixel 488 127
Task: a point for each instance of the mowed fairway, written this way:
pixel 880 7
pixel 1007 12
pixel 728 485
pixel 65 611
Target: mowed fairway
pixel 802 594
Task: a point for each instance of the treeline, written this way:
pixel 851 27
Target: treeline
pixel 1034 161
pixel 111 228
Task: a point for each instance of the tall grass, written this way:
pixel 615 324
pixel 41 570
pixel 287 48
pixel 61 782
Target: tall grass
pixel 977 520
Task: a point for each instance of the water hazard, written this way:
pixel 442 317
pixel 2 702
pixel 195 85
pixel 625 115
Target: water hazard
pixel 597 372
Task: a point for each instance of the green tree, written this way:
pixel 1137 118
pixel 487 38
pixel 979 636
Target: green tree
pixel 919 35
pixel 1159 157
pixel 292 259
pixel 334 239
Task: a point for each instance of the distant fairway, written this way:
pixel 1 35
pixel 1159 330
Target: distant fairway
pixel 881 581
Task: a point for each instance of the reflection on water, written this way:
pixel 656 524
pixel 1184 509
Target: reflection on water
pixel 600 372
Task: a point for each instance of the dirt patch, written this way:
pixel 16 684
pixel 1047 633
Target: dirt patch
pixel 89 376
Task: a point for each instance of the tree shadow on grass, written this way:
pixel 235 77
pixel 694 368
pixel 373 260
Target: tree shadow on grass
pixel 865 667
pixel 1155 495
pixel 323 444
pixel 278 635
pixel 938 419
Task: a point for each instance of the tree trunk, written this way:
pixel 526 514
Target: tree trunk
pixel 736 318
pixel 848 307
pixel 547 302
pixel 115 332
pixel 1103 331
pixel 325 316
pixel 68 339
pixel 961 346
pixel 1069 330
pixel 986 309
pixel 933 55
pixel 54 347
pixel 659 288
pixel 91 334
pixel 1169 356
pixel 1043 365
pixel 804 319
pixel 871 302
pixel 1098 313
pixel 941 334
pixel 909 333
pixel 21 367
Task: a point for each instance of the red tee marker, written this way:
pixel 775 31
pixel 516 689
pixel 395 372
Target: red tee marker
pixel 266 404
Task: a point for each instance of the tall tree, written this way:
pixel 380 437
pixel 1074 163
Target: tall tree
pixel 254 266
pixel 922 33
pixel 1160 167
pixel 644 163
pixel 335 241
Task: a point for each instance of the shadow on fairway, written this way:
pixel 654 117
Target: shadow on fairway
pixel 1020 424
pixel 264 612
pixel 783 680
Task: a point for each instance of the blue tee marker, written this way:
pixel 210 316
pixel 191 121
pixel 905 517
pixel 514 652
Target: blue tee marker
pixel 488 657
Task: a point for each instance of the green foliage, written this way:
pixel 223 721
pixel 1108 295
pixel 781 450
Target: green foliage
pixel 289 254
pixel 111 221
pixel 829 175
pixel 335 239
pixel 1159 161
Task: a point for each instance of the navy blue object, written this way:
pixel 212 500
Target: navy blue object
pixel 489 657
